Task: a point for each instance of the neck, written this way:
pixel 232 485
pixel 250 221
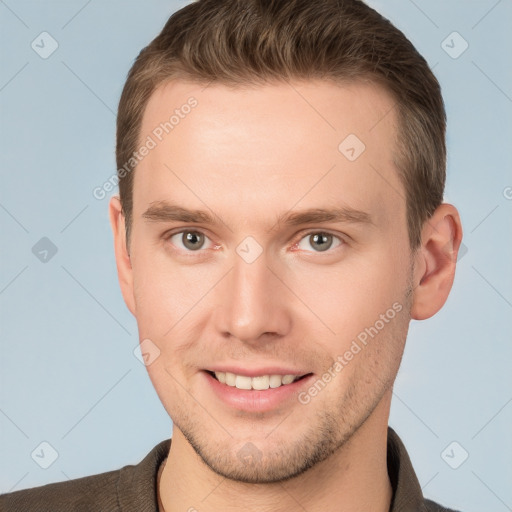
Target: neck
pixel 354 478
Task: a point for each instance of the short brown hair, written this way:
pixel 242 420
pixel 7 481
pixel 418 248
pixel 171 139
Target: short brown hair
pixel 237 42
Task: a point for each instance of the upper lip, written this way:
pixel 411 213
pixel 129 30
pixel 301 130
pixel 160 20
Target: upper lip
pixel 255 372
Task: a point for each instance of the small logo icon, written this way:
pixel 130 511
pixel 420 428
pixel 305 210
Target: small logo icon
pixel 351 147
pixel 249 250
pixel 44 250
pixel 249 454
pixel 454 455
pixel 147 352
pixel 44 455
pixel 44 45
pixel 454 45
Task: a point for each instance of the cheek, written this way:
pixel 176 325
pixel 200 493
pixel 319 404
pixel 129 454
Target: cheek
pixel 342 300
pixel 172 310
pixel 165 292
pixel 170 385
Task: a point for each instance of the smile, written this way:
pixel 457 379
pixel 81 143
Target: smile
pixel 259 383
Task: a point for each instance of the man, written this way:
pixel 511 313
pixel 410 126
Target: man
pixel 280 221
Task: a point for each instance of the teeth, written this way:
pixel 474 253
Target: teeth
pixel 261 382
pixel 275 381
pixel 288 379
pixel 243 382
pixel 230 379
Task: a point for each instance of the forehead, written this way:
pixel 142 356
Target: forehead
pixel 270 146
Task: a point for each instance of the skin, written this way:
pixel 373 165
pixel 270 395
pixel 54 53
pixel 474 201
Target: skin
pixel 248 155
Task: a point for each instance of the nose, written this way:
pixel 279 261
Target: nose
pixel 254 302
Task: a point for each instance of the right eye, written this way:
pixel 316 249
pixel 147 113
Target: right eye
pixel 188 240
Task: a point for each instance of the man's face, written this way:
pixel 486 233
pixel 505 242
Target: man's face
pixel 252 294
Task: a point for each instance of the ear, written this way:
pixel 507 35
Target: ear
pixel 123 263
pixel 435 261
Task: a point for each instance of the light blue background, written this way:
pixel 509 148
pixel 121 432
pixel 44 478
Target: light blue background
pixel 68 371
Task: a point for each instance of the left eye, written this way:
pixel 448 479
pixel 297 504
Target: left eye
pixel 319 240
pixel 190 240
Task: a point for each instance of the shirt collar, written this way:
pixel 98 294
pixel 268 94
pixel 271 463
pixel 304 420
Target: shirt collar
pixel 137 485
pixel 407 494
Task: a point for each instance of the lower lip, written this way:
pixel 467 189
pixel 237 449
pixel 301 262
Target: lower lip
pixel 255 400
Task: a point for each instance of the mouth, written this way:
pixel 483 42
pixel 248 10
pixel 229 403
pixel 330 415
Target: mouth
pixel 260 392
pixel 257 383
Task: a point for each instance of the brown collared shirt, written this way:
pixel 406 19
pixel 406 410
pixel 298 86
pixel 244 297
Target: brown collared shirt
pixel 134 488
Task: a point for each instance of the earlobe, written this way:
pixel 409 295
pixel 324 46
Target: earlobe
pixel 435 261
pixel 123 262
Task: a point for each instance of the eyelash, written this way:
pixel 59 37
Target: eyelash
pixel 295 243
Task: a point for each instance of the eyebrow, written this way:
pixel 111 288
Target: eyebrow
pixel 163 211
